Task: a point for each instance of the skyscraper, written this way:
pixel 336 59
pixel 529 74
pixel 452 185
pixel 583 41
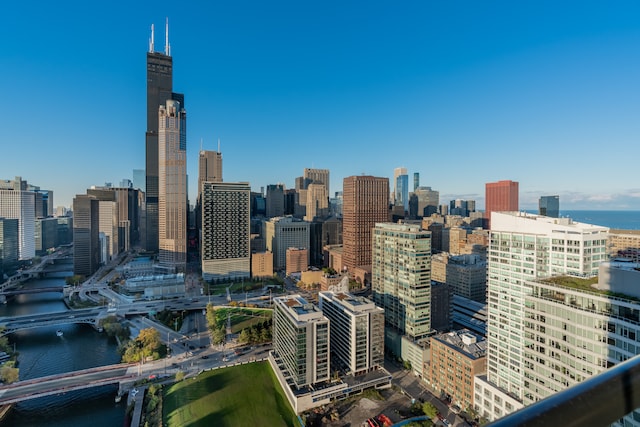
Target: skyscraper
pixel 225 247
pixel 401 277
pixel 401 191
pixel 86 242
pixel 16 202
pixel 317 202
pixel 275 200
pixel 528 247
pixel 416 180
pixel 209 167
pixel 549 206
pixel 172 185
pixel 365 203
pixel 317 176
pixel 159 90
pixel 501 196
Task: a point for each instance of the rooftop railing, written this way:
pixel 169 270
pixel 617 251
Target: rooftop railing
pixel 598 401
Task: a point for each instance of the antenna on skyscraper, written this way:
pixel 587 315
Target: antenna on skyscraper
pixel 218 145
pixel 167 48
pixel 151 40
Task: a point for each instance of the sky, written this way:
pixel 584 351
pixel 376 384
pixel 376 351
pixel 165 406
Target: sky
pixel 545 93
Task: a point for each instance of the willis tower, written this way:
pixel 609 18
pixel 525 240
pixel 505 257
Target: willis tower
pixel 159 90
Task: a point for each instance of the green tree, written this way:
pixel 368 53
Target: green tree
pixel 265 335
pixel 219 336
pixel 212 320
pixel 9 373
pixel 244 337
pixel 254 335
pixel 429 410
pixel 180 375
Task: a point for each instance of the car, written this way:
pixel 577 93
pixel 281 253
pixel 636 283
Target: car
pixel 455 409
pixel 205 357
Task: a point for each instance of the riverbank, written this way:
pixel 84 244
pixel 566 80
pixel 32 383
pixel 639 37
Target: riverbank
pixel 4 410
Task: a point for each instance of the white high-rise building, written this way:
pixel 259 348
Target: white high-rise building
pixel 19 204
pixel 172 185
pixel 357 330
pixel 226 230
pixel 525 247
pixel 282 233
pixel 301 340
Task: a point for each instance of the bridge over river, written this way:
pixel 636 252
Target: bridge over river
pixel 61 383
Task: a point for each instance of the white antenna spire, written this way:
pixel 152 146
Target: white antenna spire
pixel 151 40
pixel 167 47
pixel 200 144
pixel 218 145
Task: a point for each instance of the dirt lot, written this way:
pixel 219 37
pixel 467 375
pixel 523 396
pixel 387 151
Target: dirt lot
pixel 353 412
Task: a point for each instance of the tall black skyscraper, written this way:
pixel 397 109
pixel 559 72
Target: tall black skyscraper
pixel 159 90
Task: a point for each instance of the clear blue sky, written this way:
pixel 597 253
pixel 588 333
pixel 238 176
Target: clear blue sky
pixel 545 93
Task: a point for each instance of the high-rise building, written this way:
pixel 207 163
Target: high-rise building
pixel 46 234
pixel 416 180
pixel 365 203
pixel 282 233
pixel 275 200
pixel 401 191
pixel 317 202
pixel 209 167
pixel 357 330
pixel 297 260
pixel 86 240
pixel 226 224
pixel 301 340
pixel 423 202
pixel 526 247
pixel 401 277
pixel 139 179
pixel 465 274
pixel 159 91
pixel 172 185
pixel 501 196
pixel 549 206
pixel 9 245
pixel 18 203
pixel 316 176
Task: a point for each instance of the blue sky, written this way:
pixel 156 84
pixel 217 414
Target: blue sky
pixel 545 93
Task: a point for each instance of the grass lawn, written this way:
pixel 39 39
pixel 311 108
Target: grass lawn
pixel 246 395
pixel 243 318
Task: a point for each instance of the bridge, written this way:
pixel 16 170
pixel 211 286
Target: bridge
pixel 32 291
pixel 88 316
pixel 61 383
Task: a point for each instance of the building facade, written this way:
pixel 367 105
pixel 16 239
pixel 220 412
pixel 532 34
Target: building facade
pixel 172 185
pixel 549 206
pixel 501 196
pixel 226 230
pixel 357 330
pixel 301 340
pixel 297 260
pixel 20 204
pixel 401 277
pixel 526 247
pixel 365 203
pixel 282 233
pixel 86 240
pixel 465 274
pixel 9 245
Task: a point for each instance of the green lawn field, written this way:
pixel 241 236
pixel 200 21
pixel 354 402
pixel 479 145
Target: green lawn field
pixel 246 395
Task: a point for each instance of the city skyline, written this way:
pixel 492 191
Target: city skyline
pixel 539 94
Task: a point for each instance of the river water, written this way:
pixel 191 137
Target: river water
pixel 42 352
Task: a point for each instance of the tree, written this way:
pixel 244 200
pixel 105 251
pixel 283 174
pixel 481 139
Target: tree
pixel 219 336
pixel 244 337
pixel 180 375
pixel 9 373
pixel 265 335
pixel 429 410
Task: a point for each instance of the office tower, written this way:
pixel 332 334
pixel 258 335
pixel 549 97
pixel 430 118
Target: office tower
pixel 209 167
pixel 401 277
pixel 416 180
pixel 527 247
pixel 65 230
pixel 456 358
pixel 258 205
pixel 159 91
pixel 336 204
pixel 275 200
pixel 301 340
pixel 465 274
pixel 262 264
pixel 86 241
pixel 20 204
pixel 357 330
pixel 332 231
pixel 423 202
pixel 316 176
pixel 139 179
pixel 9 246
pixel 126 219
pixel 282 233
pixel 297 260
pixel 225 247
pixel 365 203
pixel 46 235
pixel 172 186
pixel 501 196
pixel 549 206
pixel 317 206
pixel 401 191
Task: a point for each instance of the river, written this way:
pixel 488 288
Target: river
pixel 42 352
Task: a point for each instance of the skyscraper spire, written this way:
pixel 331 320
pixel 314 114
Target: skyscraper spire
pixel 151 40
pixel 218 145
pixel 167 47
